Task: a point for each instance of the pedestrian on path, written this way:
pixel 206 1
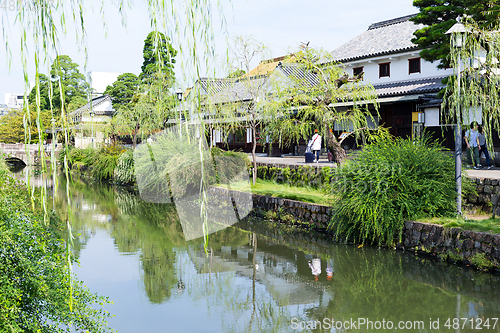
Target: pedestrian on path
pixel 473 147
pixel 316 145
pixel 483 147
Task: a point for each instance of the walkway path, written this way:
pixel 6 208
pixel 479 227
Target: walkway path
pixel 494 173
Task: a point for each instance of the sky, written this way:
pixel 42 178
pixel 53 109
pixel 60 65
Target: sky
pixel 281 25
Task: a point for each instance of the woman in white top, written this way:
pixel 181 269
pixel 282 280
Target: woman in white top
pixel 316 144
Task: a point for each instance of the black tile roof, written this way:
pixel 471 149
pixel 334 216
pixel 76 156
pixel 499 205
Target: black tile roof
pixel 382 38
pixel 213 86
pixel 410 87
pixel 95 102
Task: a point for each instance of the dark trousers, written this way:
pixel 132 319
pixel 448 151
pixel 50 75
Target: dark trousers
pixel 316 152
pixel 484 149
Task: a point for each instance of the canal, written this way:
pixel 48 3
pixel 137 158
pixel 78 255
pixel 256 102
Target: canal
pixel 252 279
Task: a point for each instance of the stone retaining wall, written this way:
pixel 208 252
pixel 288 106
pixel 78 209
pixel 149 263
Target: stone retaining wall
pixel 469 247
pixel 472 247
pixel 488 191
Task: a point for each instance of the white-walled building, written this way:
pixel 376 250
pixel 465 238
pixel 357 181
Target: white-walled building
pixel 14 101
pixel 406 84
pixel 88 121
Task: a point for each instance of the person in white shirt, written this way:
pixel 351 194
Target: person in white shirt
pixel 316 145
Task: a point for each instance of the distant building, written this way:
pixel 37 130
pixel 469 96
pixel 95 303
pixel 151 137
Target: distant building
pixel 14 101
pixel 100 80
pixel 88 121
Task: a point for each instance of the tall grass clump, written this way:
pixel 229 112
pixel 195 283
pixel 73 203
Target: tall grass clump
pixel 98 163
pixel 124 171
pixel 390 181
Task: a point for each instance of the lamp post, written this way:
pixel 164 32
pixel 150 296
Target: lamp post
pixel 457 33
pixel 92 120
pixel 179 94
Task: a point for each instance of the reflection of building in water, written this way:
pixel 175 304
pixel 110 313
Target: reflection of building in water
pixel 285 277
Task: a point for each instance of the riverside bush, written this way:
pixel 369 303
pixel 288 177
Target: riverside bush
pixel 35 286
pixel 390 181
pixel 99 163
pixel 124 171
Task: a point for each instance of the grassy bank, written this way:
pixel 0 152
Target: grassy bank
pixel 273 189
pixel 489 225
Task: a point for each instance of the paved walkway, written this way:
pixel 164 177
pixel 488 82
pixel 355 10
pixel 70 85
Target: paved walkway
pixel 493 173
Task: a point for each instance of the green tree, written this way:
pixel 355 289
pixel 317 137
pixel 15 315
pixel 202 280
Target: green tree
pixel 145 114
pixel 310 91
pixel 73 85
pixel 440 15
pixel 159 60
pixel 123 90
pixel 236 74
pixel 35 286
pixel 44 93
pixel 74 88
pixel 12 125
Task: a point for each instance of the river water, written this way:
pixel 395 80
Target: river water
pixel 252 279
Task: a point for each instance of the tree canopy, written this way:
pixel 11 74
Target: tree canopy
pixel 310 91
pixel 123 90
pixel 12 126
pixel 159 60
pixel 440 15
pixel 73 86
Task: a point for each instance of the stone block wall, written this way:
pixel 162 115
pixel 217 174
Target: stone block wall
pixel 470 247
pixel 488 191
pixel 476 248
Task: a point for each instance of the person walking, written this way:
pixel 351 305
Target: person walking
pixel 316 145
pixel 483 147
pixel 473 147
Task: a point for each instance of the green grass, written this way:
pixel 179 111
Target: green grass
pixel 266 187
pixel 489 225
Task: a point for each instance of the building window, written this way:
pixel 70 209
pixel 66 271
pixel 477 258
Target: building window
pixel 414 65
pixel 357 70
pixel 384 69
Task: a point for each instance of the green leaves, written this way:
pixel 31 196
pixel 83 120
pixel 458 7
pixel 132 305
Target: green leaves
pixel 390 181
pixel 158 56
pixel 34 284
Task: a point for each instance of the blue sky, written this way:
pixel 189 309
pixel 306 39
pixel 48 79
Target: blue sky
pixel 280 24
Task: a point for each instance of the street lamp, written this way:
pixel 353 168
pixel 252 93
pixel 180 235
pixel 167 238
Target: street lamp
pixel 457 33
pixel 179 94
pixel 92 113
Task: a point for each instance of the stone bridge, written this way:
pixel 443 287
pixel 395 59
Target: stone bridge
pixel 21 151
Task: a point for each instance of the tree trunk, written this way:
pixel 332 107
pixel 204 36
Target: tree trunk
pixel 334 147
pixel 134 138
pixel 254 147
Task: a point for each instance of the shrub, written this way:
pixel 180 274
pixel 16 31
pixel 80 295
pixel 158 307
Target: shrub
pixel 35 290
pixel 390 181
pixel 124 171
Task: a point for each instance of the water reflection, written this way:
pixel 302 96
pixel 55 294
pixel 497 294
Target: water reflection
pixel 253 280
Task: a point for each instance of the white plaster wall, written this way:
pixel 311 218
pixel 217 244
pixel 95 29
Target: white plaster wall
pixel 399 70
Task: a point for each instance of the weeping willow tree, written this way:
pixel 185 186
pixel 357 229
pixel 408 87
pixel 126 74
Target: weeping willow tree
pixel 43 24
pixel 476 96
pixel 311 91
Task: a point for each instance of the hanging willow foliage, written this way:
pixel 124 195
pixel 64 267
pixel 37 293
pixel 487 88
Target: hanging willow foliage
pixel 44 23
pixel 478 96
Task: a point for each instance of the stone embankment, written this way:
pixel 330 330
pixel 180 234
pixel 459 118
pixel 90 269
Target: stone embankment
pixel 474 248
pixel 486 196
